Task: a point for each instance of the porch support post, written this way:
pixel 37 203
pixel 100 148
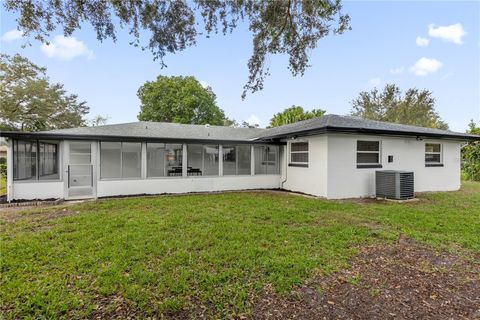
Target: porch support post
pixel 184 160
pixel 9 170
pixel 252 160
pixel 220 160
pixel 143 160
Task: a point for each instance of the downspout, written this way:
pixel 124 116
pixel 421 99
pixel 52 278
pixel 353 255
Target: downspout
pixel 285 165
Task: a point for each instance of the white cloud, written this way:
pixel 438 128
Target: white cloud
pixel 375 81
pixel 253 119
pixel 453 33
pixel 425 66
pixel 422 42
pixel 66 48
pixel 398 70
pixel 12 35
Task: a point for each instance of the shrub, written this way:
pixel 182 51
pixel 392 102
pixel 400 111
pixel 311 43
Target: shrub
pixel 471 156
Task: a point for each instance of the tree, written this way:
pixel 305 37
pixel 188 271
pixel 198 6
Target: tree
pixel 291 27
pixel 29 102
pixel 416 107
pixel 98 120
pixel 179 99
pixel 294 114
pixel 471 155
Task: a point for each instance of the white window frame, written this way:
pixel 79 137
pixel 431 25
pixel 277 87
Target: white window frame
pixel 440 153
pixel 298 163
pixel 369 164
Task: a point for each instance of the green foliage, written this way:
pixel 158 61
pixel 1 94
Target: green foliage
pixel 294 114
pixel 291 27
pixel 471 156
pixel 416 107
pixel 31 103
pixel 161 254
pixel 181 100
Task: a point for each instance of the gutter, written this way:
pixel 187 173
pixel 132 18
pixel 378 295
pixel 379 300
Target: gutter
pixel 329 129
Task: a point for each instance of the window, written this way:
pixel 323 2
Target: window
pixel 48 164
pixel 299 154
pixel 24 160
pixel 120 160
pixel 35 160
pixel 202 160
pixel 433 154
pixel 368 154
pixel 266 160
pixel 236 160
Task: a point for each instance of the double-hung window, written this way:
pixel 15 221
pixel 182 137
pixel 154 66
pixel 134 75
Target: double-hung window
pixel 368 154
pixel 298 154
pixel 433 155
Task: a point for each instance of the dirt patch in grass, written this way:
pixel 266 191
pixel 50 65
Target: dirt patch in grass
pixel 12 215
pixel 405 280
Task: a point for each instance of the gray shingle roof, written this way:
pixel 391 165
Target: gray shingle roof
pixel 161 130
pixel 147 129
pixel 338 123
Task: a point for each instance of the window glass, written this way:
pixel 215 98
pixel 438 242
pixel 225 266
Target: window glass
pixel 48 161
pixel 299 152
pixel 368 145
pixel 244 159
pixel 110 160
pixel 433 153
pixel 24 160
pixel 367 157
pixel 155 159
pixel 368 152
pixel 210 160
pixel 173 160
pixel 229 160
pixel 131 160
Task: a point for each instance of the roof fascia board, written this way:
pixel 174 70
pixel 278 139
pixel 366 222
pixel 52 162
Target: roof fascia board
pixel 54 136
pixel 327 129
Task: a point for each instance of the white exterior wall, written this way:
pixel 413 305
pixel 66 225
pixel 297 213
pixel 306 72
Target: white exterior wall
pixel 311 180
pixel 37 190
pixel 345 180
pixel 106 188
pixel 34 189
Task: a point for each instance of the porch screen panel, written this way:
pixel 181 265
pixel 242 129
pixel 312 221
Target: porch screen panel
pixel 24 160
pixel 267 160
pixel 131 160
pixel 173 159
pixel 48 161
pixel 155 160
pixel 229 160
pixel 260 164
pixel 210 160
pixel 244 159
pixel 272 156
pixel 195 160
pixel 110 160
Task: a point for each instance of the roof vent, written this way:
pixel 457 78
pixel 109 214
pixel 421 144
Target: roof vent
pixel 207 126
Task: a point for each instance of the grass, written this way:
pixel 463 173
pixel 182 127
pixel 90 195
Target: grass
pixel 3 185
pixel 165 254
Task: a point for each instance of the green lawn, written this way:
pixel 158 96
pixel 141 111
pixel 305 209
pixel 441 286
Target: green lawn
pixel 3 186
pixel 172 253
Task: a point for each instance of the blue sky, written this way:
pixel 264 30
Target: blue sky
pixel 432 45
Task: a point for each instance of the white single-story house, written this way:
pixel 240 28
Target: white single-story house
pixel 332 156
